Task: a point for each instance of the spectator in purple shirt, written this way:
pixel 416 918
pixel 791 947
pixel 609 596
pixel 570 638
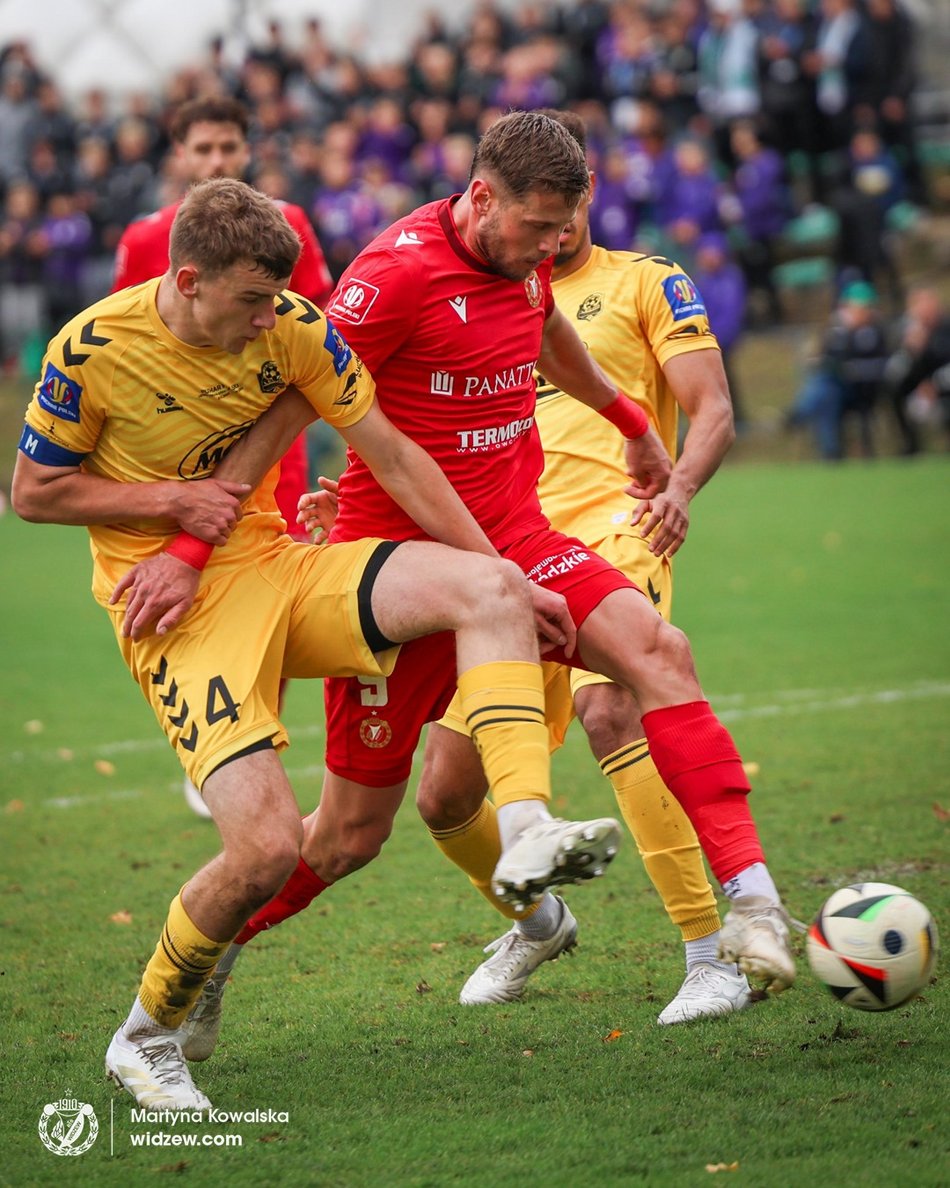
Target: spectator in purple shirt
pixel 690 206
pixel 763 206
pixel 68 235
pixel 720 281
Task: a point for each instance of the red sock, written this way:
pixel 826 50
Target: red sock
pixel 298 892
pixel 698 761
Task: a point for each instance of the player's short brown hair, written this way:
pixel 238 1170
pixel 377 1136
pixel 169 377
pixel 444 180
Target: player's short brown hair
pixel 224 222
pixel 569 120
pixel 212 109
pixel 527 151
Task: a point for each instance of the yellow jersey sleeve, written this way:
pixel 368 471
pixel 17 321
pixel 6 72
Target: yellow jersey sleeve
pixel 633 314
pixel 122 397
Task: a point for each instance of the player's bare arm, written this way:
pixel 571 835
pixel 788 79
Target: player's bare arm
pixel 42 494
pixel 699 385
pixel 566 362
pixel 161 589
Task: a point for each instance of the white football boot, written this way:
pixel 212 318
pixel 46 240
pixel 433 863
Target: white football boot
pixel 503 976
pixel 154 1071
pixel 553 852
pixel 755 936
pixel 707 991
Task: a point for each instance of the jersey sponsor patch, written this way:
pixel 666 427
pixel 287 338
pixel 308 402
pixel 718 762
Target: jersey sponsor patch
pixel 59 395
pixel 338 348
pixel 683 297
pixel 355 302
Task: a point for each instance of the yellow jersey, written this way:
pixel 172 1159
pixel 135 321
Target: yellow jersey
pixel 124 398
pixel 633 313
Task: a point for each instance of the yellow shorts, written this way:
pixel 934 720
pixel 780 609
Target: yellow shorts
pixel 654 577
pixel 290 610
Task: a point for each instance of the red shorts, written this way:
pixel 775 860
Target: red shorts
pixel 374 723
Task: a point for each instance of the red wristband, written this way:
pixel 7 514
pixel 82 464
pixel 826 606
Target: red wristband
pixel 627 415
pixel 191 550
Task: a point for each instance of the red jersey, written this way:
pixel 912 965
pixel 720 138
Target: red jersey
pixel 143 253
pixel 452 347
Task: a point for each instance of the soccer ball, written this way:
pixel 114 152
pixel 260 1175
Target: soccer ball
pixel 874 946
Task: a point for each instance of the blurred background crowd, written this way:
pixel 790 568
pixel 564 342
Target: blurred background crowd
pixel 775 148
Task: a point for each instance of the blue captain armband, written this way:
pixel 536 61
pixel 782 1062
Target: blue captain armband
pixel 46 452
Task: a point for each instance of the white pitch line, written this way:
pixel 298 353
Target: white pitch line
pixel 730 708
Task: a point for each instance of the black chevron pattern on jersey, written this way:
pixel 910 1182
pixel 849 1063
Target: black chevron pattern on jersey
pixel 88 337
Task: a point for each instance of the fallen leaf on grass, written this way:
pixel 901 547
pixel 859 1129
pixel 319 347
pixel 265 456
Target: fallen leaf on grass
pixel 718 1167
pixel 612 1035
pixel 940 812
pixel 751 769
pixel 14 806
pixel 65 753
pixel 528 1052
pixel 437 946
pixel 104 767
pixel 34 726
pixel 836 818
pixel 423 987
pixel 122 917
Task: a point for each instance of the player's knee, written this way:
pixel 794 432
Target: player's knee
pixel 267 867
pixel 673 649
pixel 610 717
pixel 355 848
pixel 496 590
pixel 444 804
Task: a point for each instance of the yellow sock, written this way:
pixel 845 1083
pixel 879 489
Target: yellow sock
pixel 183 960
pixel 475 847
pixel 503 708
pixel 665 838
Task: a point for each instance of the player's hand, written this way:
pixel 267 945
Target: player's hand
pixel 161 590
pixel 668 514
pixel 209 508
pixel 316 510
pixel 648 465
pixel 553 621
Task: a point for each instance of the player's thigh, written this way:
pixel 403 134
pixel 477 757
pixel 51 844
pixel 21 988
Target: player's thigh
pixel 651 574
pixel 213 681
pixel 374 721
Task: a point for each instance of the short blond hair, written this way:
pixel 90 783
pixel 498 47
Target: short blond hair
pixel 223 222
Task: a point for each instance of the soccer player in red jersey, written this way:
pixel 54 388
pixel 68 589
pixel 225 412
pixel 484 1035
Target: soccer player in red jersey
pixel 210 138
pixel 452 310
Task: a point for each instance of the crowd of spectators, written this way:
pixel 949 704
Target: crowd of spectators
pixel 711 123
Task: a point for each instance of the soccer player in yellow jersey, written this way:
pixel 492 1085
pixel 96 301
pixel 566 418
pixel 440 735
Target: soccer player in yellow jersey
pixel 146 390
pixel 645 324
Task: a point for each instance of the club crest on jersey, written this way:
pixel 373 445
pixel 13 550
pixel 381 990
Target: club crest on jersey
pixel 269 377
pixel 683 297
pixel 59 395
pixel 375 732
pixel 532 288
pixel 338 348
pixel 354 302
pixel 590 307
